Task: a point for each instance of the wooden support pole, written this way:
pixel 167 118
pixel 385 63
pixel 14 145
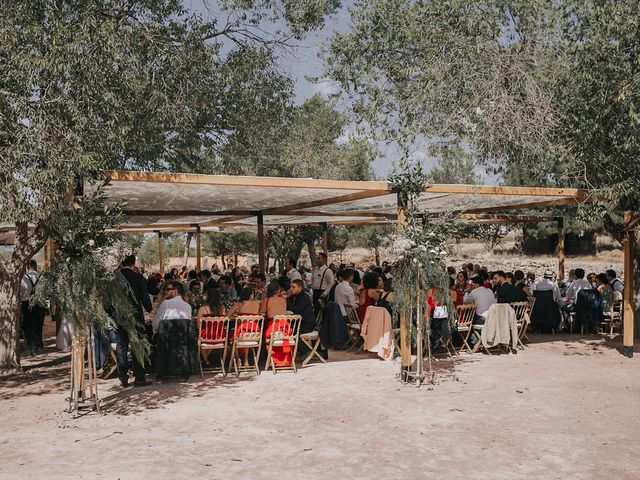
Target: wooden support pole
pixel 325 239
pixel 629 246
pixel 198 248
pixel 261 244
pixel 560 248
pixel 405 341
pixel 161 252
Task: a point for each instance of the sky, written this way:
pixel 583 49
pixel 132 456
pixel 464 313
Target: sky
pixel 304 62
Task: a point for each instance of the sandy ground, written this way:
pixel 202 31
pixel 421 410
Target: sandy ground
pixel 564 408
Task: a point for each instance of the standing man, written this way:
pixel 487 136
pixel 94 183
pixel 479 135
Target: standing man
pixel 321 281
pixel 290 267
pixel 139 299
pixel 32 316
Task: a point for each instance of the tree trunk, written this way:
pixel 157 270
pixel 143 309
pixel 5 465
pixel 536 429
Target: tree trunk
pixel 458 248
pixel 187 248
pixel 26 245
pixel 376 252
pixel 312 253
pixel 9 318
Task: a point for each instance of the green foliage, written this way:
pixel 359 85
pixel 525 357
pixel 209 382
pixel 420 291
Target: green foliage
pixel 229 243
pixel 139 85
pixel 85 284
pixel 305 141
pixel 541 93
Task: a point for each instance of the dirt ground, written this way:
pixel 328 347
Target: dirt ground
pixel 564 408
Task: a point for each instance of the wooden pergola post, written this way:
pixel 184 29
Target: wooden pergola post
pixel 198 248
pixel 325 239
pixel 261 244
pixel 560 248
pixel 161 252
pixel 629 245
pixel 405 343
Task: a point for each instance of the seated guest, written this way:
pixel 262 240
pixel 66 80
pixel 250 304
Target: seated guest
pixel 591 278
pixel 460 287
pixel 615 283
pixel 451 271
pixel 547 283
pixel 290 268
pixel 299 303
pixel 481 296
pixel 276 304
pixel 208 281
pixel 578 283
pixel 259 287
pixel 509 278
pixel 246 305
pixel 227 291
pixel 505 292
pixel 483 273
pixel 212 308
pixel 344 295
pixel 520 283
pixel 531 281
pixel 173 306
pixel 605 289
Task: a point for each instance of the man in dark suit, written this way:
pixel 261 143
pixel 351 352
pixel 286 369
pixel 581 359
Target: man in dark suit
pixel 506 293
pixel 139 299
pixel 208 281
pixel 299 303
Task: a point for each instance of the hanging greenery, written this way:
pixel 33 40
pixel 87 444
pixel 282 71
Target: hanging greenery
pixel 85 284
pixel 420 249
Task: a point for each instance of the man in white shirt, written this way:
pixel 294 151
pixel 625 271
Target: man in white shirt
pixel 481 297
pixel 572 295
pixel 547 283
pixel 344 295
pixel 173 306
pixel 290 268
pixel 321 281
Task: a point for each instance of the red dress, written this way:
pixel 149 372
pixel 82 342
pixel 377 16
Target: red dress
pixel 362 309
pixel 281 355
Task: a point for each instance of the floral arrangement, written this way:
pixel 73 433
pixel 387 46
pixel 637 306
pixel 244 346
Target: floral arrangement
pixel 420 248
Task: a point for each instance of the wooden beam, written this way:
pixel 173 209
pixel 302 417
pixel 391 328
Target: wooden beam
pixel 321 213
pixel 630 219
pixel 261 244
pixel 405 343
pixel 540 204
pixel 505 190
pixel 285 210
pixel 198 249
pixel 243 181
pixel 182 213
pixel 161 253
pixel 561 248
pixel 325 239
pixel 508 218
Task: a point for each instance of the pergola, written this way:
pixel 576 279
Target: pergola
pixel 192 203
pixel 177 202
